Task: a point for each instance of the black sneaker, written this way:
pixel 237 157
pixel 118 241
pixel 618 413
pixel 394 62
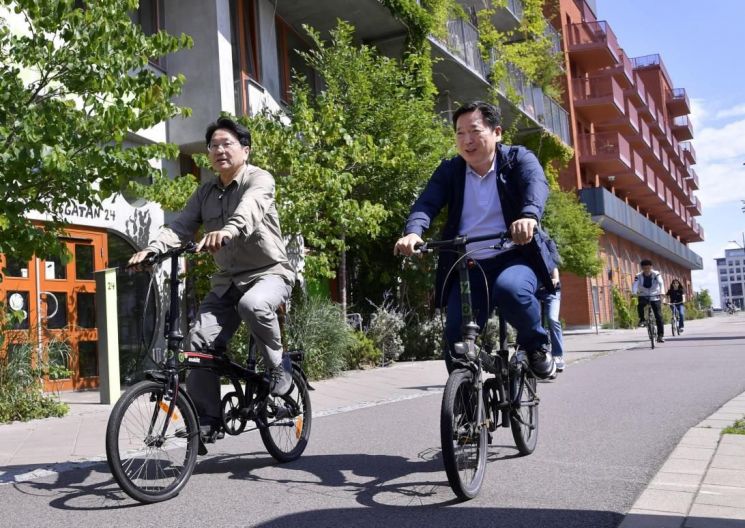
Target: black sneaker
pixel 541 363
pixel 642 324
pixel 660 339
pixel 280 382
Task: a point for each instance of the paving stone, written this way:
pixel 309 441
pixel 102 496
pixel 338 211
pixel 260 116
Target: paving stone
pixel 693 467
pixel 692 453
pixel 676 481
pixel 721 496
pixel 706 516
pixel 725 477
pixel 665 501
pixel 728 461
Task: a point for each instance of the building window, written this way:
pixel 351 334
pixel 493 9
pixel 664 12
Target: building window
pixel 149 16
pixel 246 67
pixel 289 46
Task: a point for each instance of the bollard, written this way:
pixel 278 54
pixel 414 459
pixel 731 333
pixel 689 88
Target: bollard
pixel 108 336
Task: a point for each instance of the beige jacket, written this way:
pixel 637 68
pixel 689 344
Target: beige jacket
pixel 245 209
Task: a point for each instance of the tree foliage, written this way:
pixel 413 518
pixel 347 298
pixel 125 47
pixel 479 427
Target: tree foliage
pixel 74 83
pixel 353 157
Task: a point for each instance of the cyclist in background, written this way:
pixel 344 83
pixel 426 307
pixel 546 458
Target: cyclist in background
pixel 676 294
pixel 649 288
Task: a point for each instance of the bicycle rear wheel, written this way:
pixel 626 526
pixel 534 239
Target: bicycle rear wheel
pixel 524 419
pixel 149 464
pixel 288 420
pixel 674 322
pixel 463 435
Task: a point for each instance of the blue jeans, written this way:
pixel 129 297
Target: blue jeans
pixel 681 313
pixel 512 289
pixel 551 304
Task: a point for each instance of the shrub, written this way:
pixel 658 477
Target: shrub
pixel 362 352
pixel 386 325
pixel 316 326
pixel 623 309
pixel 423 338
pixel 21 394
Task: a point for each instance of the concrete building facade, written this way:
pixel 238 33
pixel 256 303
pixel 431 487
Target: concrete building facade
pixel 731 276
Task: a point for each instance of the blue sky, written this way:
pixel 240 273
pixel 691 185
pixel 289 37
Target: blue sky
pixel 701 44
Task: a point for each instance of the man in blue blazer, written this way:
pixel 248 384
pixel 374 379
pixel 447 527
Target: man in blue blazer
pixel 487 188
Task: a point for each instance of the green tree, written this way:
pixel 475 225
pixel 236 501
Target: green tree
pixel 703 299
pixel 352 158
pixel 74 83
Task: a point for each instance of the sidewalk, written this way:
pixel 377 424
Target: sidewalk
pixel 704 478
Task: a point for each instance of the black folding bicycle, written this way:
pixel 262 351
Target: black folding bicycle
pixel 153 437
pixel 485 390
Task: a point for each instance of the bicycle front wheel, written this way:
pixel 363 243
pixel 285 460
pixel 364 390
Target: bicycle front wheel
pixel 149 463
pixel 287 420
pixel 463 434
pixel 651 329
pixel 524 416
pixel 674 323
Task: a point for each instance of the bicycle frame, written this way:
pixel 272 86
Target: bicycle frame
pixel 468 353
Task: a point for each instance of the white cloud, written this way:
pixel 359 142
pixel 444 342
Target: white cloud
pixel 735 111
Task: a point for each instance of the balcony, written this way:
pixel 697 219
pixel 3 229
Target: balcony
pixel 462 70
pixel 678 103
pixel 606 153
pixel 637 92
pixel 695 209
pixel 506 15
pixel 592 45
pixel 598 99
pixel 616 217
pixel 649 62
pixel 692 180
pixel 624 70
pixel 682 128
pixel 688 152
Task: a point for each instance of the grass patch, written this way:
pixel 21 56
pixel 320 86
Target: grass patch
pixel 736 428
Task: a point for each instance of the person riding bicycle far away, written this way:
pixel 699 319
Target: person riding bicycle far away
pixel 487 188
pixel 649 287
pixel 253 277
pixel 676 294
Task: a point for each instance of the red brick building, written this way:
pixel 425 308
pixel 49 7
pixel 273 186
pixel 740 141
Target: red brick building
pixel 632 166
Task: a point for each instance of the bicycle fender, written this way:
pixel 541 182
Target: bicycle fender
pixel 296 368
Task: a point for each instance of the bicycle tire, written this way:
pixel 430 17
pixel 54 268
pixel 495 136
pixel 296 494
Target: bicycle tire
pixel 674 322
pixel 463 438
pixel 524 419
pixel 232 420
pixel 150 468
pixel 287 420
pixel 651 327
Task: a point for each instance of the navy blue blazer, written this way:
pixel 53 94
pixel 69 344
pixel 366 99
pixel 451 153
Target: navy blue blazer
pixel 521 185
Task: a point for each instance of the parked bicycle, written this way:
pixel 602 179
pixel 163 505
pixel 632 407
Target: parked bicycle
pixel 485 391
pixel 153 434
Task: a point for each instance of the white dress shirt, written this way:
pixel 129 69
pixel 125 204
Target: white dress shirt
pixel 482 210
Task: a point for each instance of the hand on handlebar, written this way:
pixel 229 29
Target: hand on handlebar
pixel 213 241
pixel 522 230
pixel 139 261
pixel 406 245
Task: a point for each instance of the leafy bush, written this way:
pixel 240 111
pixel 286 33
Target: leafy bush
pixel 623 309
pixel 385 329
pixel 21 394
pixel 362 352
pixel 423 338
pixel 316 326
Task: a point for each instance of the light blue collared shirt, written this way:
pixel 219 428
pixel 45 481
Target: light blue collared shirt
pixel 482 210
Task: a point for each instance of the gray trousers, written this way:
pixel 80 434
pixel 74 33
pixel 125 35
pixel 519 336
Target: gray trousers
pixel 218 319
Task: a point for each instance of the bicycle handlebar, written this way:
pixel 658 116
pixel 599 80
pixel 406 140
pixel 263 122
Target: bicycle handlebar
pixel 461 240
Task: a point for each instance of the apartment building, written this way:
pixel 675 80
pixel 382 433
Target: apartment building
pixel 633 162
pixel 731 275
pixel 244 51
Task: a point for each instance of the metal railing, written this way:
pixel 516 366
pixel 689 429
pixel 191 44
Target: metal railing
pixel 652 61
pixel 595 32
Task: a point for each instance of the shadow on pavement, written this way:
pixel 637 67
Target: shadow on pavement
pixel 473 517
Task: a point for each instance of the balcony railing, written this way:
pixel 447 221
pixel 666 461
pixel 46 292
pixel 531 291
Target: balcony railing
pixel 604 147
pixel 688 151
pixel 628 68
pixel 682 128
pixel 462 41
pixel 677 102
pixel 692 179
pixel 554 36
pixel 651 61
pixel 597 32
pixel 516 7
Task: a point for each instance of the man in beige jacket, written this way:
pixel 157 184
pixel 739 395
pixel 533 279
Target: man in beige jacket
pixel 254 276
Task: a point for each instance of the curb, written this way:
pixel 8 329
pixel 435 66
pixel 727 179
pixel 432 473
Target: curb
pixel 671 498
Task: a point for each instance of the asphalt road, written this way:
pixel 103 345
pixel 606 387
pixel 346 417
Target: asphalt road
pixel 607 425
